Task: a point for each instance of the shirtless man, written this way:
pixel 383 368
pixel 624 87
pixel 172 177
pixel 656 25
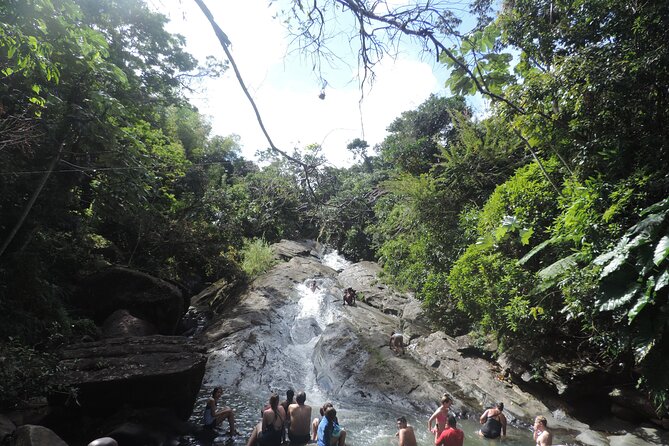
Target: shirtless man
pixel 405 433
pixel 300 421
pixel 397 342
pixel 542 436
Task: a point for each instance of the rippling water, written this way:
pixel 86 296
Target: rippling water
pixel 366 424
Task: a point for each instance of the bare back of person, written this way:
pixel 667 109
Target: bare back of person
pixel 407 436
pixel 300 419
pixel 300 428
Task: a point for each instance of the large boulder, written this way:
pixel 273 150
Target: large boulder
pixel 363 277
pixel 122 324
pixel 144 296
pixel 7 427
pixel 287 249
pixel 152 371
pixel 31 435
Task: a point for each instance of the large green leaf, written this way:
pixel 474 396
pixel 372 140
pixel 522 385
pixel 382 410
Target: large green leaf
pixel 662 281
pixel 641 303
pixel 661 250
pixel 616 301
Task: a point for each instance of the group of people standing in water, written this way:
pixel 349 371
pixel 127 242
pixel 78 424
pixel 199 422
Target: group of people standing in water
pixel 280 421
pixel 493 423
pixel 291 420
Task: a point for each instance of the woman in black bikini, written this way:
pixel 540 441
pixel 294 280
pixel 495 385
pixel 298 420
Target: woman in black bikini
pixel 272 423
pixel 494 422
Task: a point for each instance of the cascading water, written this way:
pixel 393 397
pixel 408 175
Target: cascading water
pixel 315 304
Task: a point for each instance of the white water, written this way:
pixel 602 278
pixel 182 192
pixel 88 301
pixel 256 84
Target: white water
pixel 367 424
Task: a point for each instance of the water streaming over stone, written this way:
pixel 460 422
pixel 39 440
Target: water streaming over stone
pixel 295 330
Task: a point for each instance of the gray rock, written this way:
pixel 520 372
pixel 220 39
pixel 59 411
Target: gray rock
pixel 31 435
pixel 7 427
pixel 122 324
pixel 104 441
pixel 363 277
pixel 151 371
pixel 143 295
pixel 287 249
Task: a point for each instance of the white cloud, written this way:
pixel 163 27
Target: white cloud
pixel 285 89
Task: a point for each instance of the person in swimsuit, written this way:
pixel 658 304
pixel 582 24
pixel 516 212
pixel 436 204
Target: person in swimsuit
pixel 451 436
pixel 329 432
pixel 272 423
pixel 405 432
pixel 542 436
pixel 397 344
pixel 213 417
pixel 300 416
pixel 316 422
pixel 440 416
pixel 494 422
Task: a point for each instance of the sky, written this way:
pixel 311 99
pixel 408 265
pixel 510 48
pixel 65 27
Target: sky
pixel 285 88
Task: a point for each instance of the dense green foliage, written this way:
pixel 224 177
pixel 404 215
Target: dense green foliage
pixel 104 162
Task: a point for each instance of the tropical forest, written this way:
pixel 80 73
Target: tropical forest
pixel 540 226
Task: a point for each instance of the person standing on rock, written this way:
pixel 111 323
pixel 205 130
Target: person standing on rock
pixel 440 416
pixel 405 432
pixel 397 343
pixel 542 436
pixel 300 421
pixel 494 422
pixel 214 417
pixel 451 436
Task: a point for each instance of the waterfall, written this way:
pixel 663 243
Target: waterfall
pixel 285 346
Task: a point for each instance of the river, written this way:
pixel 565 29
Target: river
pixel 317 304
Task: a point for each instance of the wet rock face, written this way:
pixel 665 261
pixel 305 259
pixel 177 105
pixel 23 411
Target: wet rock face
pixel 144 296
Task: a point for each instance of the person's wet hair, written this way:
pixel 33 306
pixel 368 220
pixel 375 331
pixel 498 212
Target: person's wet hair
pixel 216 389
pixel 274 401
pixel 452 421
pixel 301 397
pixel 402 420
pixel 446 399
pixel 330 413
pixel 500 406
pixel 324 408
pixel 290 393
